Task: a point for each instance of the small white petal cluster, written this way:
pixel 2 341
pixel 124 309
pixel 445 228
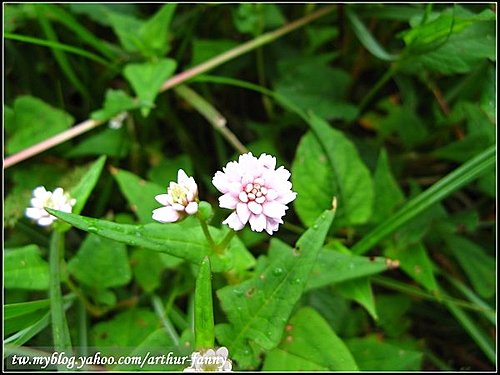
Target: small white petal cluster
pixel 180 200
pixel 210 361
pixel 58 200
pixel 256 191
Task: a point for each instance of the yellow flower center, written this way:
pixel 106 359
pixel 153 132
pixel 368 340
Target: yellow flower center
pixel 178 193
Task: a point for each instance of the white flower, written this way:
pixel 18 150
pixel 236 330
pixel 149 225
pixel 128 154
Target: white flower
pixel 256 191
pixel 58 200
pixel 180 200
pixel 210 361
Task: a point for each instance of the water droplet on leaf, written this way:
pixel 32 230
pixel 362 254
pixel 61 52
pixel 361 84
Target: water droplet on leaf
pixel 277 271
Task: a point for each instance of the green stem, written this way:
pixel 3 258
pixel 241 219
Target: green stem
pixel 225 241
pixel 60 331
pixel 82 329
pixel 378 85
pixel 169 328
pixel 204 331
pixel 206 231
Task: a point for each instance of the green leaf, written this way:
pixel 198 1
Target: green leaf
pixel 23 336
pixel 148 267
pixel 178 240
pixel 110 142
pixel 116 102
pixel 373 354
pixel 126 28
pixel 124 331
pixel 303 349
pixel 259 308
pixel 24 268
pixel 366 38
pixel 391 311
pixel 415 261
pixel 203 308
pixel 327 164
pixel 81 192
pixel 35 121
pixel 336 264
pixel 388 194
pixel 101 263
pixel 147 78
pixel 155 31
pixel 140 194
pixel 166 170
pixel 461 52
pixel 317 87
pixel 359 290
pixel 441 189
pixel 479 266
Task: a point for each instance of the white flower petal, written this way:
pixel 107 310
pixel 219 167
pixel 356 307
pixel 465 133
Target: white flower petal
pixel 255 207
pixel 257 222
pixel 35 213
pixel 39 191
pixel 228 201
pixel 222 352
pixel 192 208
pixel 274 209
pixel 182 177
pixel 46 221
pixel 163 199
pixel 166 215
pixel 243 212
pixel 234 222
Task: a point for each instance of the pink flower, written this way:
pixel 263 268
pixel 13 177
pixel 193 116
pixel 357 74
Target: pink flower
pixel 257 192
pixel 180 200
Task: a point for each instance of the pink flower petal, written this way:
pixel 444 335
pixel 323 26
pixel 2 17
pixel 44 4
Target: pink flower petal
pixel 220 182
pixel 192 208
pixel 234 222
pixel 166 215
pixel 255 207
pixel 243 212
pixel 258 222
pixel 287 197
pixel 271 194
pixel 163 199
pixel 268 161
pixel 228 201
pixel 274 209
pixel 182 177
pixel 178 207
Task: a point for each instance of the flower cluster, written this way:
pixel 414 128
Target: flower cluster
pixel 254 188
pixel 180 200
pixel 58 200
pixel 256 191
pixel 210 361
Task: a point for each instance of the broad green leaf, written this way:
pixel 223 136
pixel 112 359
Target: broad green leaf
pixel 24 268
pixel 155 31
pixel 101 263
pixel 359 290
pixel 259 308
pixel 391 310
pixel 462 51
pixel 316 87
pixel 123 332
pixel 441 189
pixel 140 194
pixel 147 78
pixel 335 267
pixel 81 192
pixel 413 260
pixel 203 308
pixel 366 38
pixel 320 35
pixel 126 28
pixel 110 142
pixel 252 18
pixel 178 240
pixel 303 348
pixel 479 266
pixel 166 170
pixel 327 164
pixel 35 121
pixel 148 267
pixel 388 194
pixel 373 354
pixel 116 102
pixel 100 12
